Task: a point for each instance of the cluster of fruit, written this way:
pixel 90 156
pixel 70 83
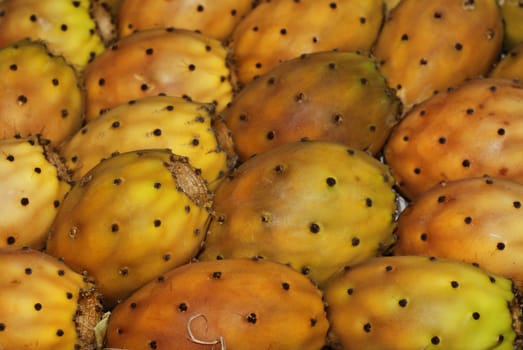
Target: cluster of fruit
pixel 242 174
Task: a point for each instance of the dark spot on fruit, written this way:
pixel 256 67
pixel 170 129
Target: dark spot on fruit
pixel 438 15
pixel 271 135
pixel 500 246
pixel 149 51
pixel 144 87
pixel 252 318
pixel 69 295
pixel 331 181
pixel 422 113
pixel 501 131
pixel 64 113
pixel 192 67
pixel 157 223
pixel 476 315
pixel 458 46
pixel 406 138
pixel 216 275
pixel 285 286
pixel 117 181
pixel 492 279
pixel 157 185
pixel 115 124
pixel 115 228
pixel 368 202
pixel 364 81
pixel 489 181
pixel 199 8
pixel 493 88
pixel 423 236
pixel 182 307
pixel 22 99
pixel 55 82
pixel 442 199
pixel 501 337
pixel 279 168
pixel 423 62
pixel 13 67
pixel 10 158
pixel 350 291
pixel 417 171
pixel 367 327
pixel 101 81
pixel 2 326
pixel 24 201
pixel 283 31
pixel 33 18
pixel 60 272
pixel 333 5
pixel 388 268
pixel 153 344
pixel 314 228
pixel 63 27
pixel 517 204
pixel 355 241
pixel 258 65
pixel 305 270
pixel 435 340
pixel 10 240
pixel 38 306
pixel 402 302
pixel 157 132
pixel 123 271
pixel 466 163
pixel 468 220
pixel 60 332
pixel 442 140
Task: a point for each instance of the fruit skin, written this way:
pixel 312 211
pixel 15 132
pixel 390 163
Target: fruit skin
pixel 215 19
pixel 231 303
pixel 65 26
pixel 44 304
pixel 158 61
pixel 186 127
pixel 419 64
pixel 32 187
pixel 129 219
pixel 276 31
pixel 474 219
pixel 415 302
pixel 330 96
pixel 40 93
pixel 510 66
pixel 313 205
pixel 512 11
pixel 468 131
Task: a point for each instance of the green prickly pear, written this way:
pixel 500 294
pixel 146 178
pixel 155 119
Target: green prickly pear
pixel 415 302
pixel 314 205
pixel 130 218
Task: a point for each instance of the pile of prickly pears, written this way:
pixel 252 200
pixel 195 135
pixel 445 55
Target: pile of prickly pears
pixel 261 174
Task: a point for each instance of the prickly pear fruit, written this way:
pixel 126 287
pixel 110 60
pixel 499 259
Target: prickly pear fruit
pixel 469 131
pixel 512 11
pixel 276 31
pixel 44 304
pixel 185 127
pixel 314 205
pixel 131 218
pixel 415 302
pixel 298 103
pixel 215 19
pixel 32 187
pixel 168 61
pixel 66 26
pixel 40 93
pixel 474 219
pixel 418 63
pixel 227 304
pixel 510 66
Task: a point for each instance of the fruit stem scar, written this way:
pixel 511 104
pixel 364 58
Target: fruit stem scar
pixel 220 340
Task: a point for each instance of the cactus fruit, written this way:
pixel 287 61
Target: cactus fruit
pixel 45 304
pixel 168 61
pixel 510 66
pixel 186 127
pixel 474 219
pixel 415 302
pixel 512 11
pixel 227 304
pixel 313 205
pixel 276 31
pixel 130 218
pixel 32 187
pixel 212 18
pixel 469 131
pixel 66 26
pixel 40 93
pixel 298 103
pixel 420 39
